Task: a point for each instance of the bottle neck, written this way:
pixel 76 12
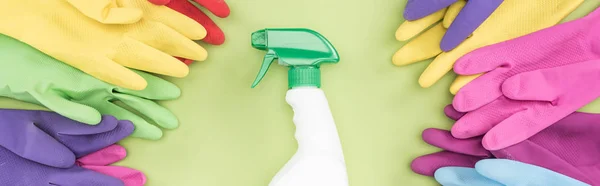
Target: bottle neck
pixel 304 76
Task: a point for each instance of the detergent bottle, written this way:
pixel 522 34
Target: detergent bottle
pixel 319 160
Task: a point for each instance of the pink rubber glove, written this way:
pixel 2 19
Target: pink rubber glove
pixel 99 161
pixel 568 147
pixel 567 43
pixel 532 101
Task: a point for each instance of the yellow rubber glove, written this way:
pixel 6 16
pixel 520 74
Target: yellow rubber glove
pixel 513 18
pixel 107 11
pixel 427 44
pixel 452 12
pixel 60 30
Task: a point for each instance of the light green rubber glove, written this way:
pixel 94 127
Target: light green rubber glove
pixel 29 75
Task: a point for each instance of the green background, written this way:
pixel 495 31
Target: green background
pixel 231 135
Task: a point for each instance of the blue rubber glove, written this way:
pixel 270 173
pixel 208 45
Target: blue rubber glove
pixel 499 172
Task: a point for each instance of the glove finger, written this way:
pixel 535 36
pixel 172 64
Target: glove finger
pixel 452 12
pixel 531 86
pixel 140 56
pixel 78 176
pixel 130 177
pixel 510 172
pixel 522 125
pixel 444 62
pixel 83 145
pixel 409 29
pixel 187 61
pixel 27 141
pixel 423 47
pixel 479 92
pixel 143 129
pixel 106 156
pixel 426 165
pixel 217 7
pixel 107 11
pixel 453 113
pixel 417 9
pixel 111 71
pixel 435 71
pixel 57 125
pixel 461 81
pixel 549 84
pixel 460 176
pixel 443 139
pixel 82 139
pixel 75 111
pixel 156 113
pixel 157 89
pixel 159 2
pixel 172 43
pixel 171 19
pixel 480 121
pixel 214 34
pixel 477 61
pixel 470 17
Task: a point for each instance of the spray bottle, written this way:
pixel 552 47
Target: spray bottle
pixel 319 160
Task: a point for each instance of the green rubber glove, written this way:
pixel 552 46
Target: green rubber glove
pixel 29 75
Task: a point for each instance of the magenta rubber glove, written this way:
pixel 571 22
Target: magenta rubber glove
pixel 567 43
pixel 99 161
pixel 470 17
pixel 568 147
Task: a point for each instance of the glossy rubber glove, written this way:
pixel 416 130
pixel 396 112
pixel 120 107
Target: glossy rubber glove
pixel 472 14
pixel 214 34
pixel 567 147
pixel 499 172
pixel 516 17
pixel 532 101
pixel 51 139
pixel 108 11
pixel 563 44
pixel 40 147
pixel 101 161
pixel 19 171
pixel 80 96
pixel 105 50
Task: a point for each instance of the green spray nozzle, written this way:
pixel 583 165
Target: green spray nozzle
pixel 302 50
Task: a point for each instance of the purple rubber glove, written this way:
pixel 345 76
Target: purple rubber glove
pixel 16 170
pixel 569 147
pixel 417 9
pixel 470 17
pixel 40 148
